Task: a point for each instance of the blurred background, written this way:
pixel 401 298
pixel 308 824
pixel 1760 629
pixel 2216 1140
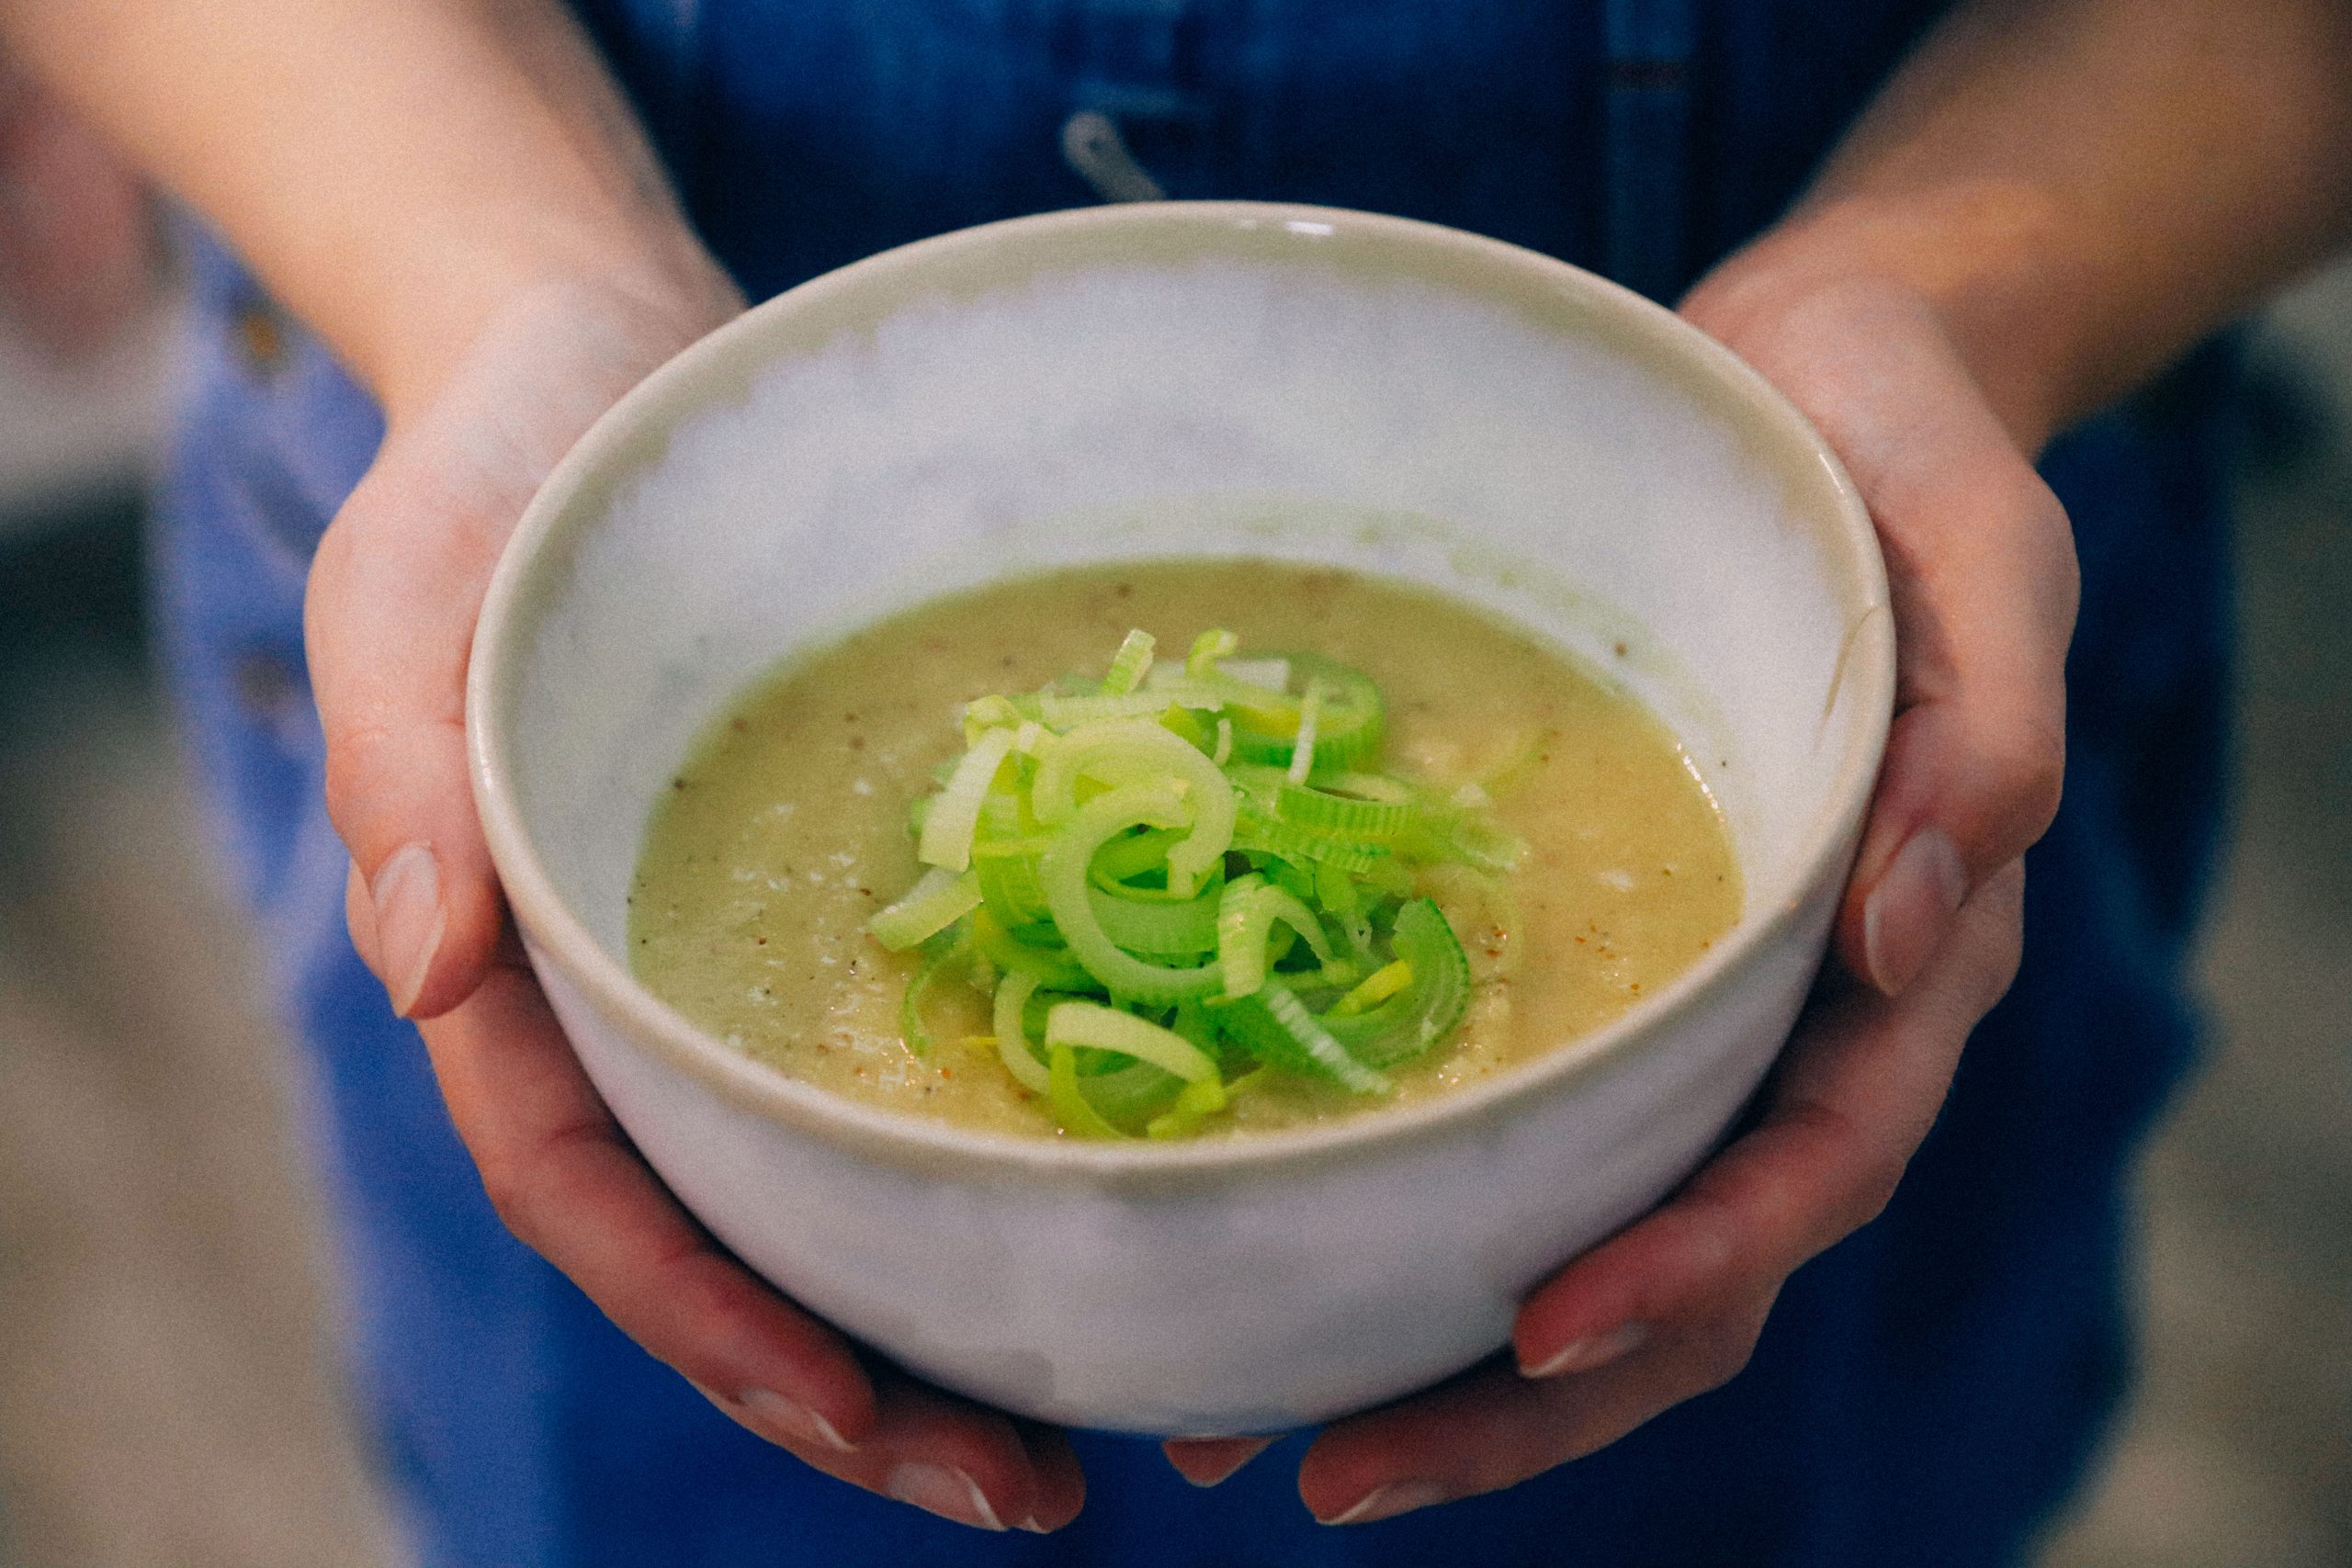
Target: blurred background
pixel 168 1393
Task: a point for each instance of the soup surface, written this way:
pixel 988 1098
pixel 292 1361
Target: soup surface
pixel 786 829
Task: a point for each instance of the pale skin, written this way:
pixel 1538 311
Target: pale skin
pixel 2050 202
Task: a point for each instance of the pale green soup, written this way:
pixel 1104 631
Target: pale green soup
pixel 786 829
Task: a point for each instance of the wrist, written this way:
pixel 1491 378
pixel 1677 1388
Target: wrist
pixel 1984 261
pixel 656 278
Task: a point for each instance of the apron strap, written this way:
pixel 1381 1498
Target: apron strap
pixel 1645 142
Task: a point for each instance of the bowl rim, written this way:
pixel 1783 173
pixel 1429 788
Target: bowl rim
pixel 683 386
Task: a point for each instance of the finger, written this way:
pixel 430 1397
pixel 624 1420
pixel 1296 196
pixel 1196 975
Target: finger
pixel 1984 582
pixel 943 1455
pixel 393 594
pixel 1983 576
pixel 564 1178
pixel 1060 1487
pixel 1856 1094
pixel 1491 1428
pixel 1205 1461
pixel 955 1458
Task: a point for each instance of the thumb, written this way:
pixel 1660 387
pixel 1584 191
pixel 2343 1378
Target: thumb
pixel 393 593
pixel 388 620
pixel 1982 572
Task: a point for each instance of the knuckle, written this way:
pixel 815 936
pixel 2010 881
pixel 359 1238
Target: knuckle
pixel 1866 1168
pixel 2059 572
pixel 1709 1230
pixel 350 775
pixel 2029 764
pixel 2042 777
pixel 1874 1188
pixel 536 1184
pixel 514 1196
pixel 1721 1350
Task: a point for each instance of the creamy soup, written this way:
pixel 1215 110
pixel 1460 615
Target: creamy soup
pixel 787 829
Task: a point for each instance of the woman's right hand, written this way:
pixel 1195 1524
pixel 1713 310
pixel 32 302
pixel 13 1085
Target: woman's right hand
pixel 394 592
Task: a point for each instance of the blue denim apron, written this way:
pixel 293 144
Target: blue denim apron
pixel 1925 1394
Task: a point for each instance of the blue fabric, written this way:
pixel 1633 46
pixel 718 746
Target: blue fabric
pixel 1925 1392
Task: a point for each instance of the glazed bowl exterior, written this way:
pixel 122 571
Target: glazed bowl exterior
pixel 1143 382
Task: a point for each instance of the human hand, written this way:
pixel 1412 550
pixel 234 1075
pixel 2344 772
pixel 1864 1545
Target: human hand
pixel 394 592
pixel 1981 564
pixel 77 249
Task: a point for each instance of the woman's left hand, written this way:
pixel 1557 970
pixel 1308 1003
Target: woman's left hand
pixel 1982 572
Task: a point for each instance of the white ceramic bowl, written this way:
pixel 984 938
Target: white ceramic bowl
pixel 1213 379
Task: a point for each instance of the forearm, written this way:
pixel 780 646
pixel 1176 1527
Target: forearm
pixel 397 173
pixel 2083 188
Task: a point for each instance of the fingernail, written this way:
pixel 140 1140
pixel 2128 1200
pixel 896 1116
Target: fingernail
pixel 1910 911
pixel 1222 1474
pixel 1220 1470
pixel 1387 1502
pixel 795 1419
pixel 409 921
pixel 950 1493
pixel 1031 1525
pixel 1592 1350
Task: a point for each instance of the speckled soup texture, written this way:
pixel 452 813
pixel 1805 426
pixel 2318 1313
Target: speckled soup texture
pixel 786 829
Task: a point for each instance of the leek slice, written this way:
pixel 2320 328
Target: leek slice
pixel 912 1028
pixel 1428 1009
pixel 1133 752
pixel 1349 719
pixel 1253 832
pixel 1335 890
pixel 1276 1028
pixel 1108 1029
pixel 1195 1103
pixel 1267 674
pixel 1002 815
pixel 938 900
pixel 1489 912
pixel 1064 875
pixel 1121 860
pixel 1047 965
pixel 1367 787
pixel 956 812
pixel 1012 994
pixel 1067 713
pixel 1310 719
pixel 1337 813
pixel 1070 1107
pixel 1128 1094
pixel 1245 920
pixel 1130 665
pixel 1376 987
pixel 1156 929
pixel 1006 870
pixel 1207 649
pixel 985 714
